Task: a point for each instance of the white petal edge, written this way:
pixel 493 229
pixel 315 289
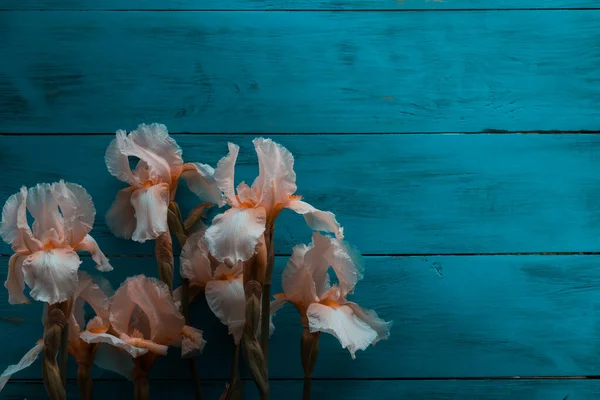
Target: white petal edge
pixel 192 342
pixel 276 179
pixel 317 220
pixel 77 209
pixel 25 362
pixel 195 264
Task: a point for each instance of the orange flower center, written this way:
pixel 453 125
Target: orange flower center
pixel 331 303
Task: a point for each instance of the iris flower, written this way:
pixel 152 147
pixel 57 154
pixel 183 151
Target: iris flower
pixel 139 211
pixel 223 286
pixel 45 257
pixel 323 306
pixel 143 315
pixel 234 234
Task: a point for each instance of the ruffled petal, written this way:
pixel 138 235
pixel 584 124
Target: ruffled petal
pixel 200 178
pixel 114 359
pixel 151 205
pixel 227 301
pixel 317 220
pixel 52 274
pixel 341 322
pixel 15 283
pixel 276 179
pixel 192 342
pixel 117 161
pixel 297 280
pixel 89 244
pixel 15 230
pixel 233 235
pixel 152 144
pixel 195 264
pixel 25 362
pixel 154 300
pixel 225 174
pixel 120 218
pixel 42 204
pixel 114 341
pixel 278 303
pixel 77 209
pixel 370 318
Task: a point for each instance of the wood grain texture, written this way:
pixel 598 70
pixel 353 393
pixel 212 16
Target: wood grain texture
pixel 581 389
pixel 453 316
pixel 292 4
pixel 394 194
pixel 304 72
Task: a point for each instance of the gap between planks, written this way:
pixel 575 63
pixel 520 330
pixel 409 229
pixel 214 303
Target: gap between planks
pixel 369 10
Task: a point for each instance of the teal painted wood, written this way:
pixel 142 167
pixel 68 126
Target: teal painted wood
pixel 572 389
pixel 395 194
pixel 303 72
pixel 291 4
pixel 453 316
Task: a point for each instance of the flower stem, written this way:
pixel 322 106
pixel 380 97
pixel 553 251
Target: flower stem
pixel 176 226
pixel 52 335
pixel 84 381
pixel 266 296
pixel 306 388
pixel 140 376
pixel 164 258
pixel 64 344
pixel 309 350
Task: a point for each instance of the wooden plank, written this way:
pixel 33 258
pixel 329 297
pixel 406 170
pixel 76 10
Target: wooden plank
pixel 476 316
pixel 293 4
pixel 395 194
pixel 575 389
pixel 304 72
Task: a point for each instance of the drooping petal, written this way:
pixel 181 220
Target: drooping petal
pixel 89 244
pixel 52 274
pixel 200 178
pixel 341 322
pixel 120 218
pixel 297 280
pixel 77 209
pixel 15 283
pixel 227 301
pixel 90 337
pixel 114 359
pixel 117 161
pixel 371 318
pixel 233 235
pixel 154 300
pixel 192 342
pixel 48 223
pixel 225 174
pixel 15 230
pixel 25 362
pixel 317 220
pixel 276 179
pixel 195 264
pixel 151 205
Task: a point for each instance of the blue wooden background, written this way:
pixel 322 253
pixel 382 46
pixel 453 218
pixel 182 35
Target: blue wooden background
pixel 458 141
